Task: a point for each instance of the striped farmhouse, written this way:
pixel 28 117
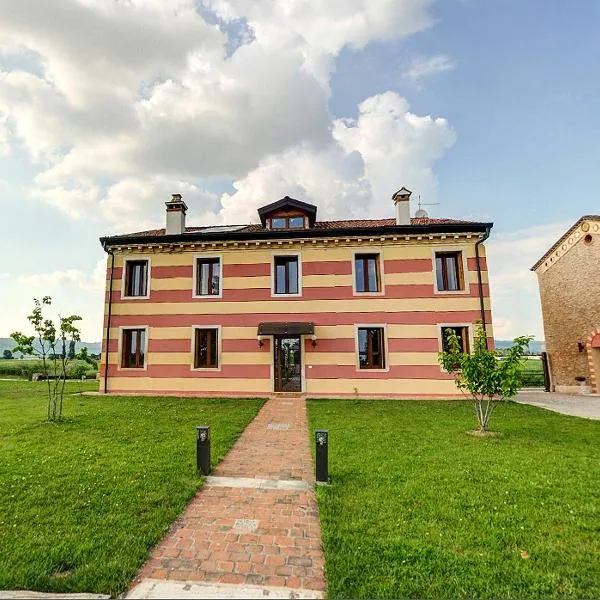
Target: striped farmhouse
pixel 292 305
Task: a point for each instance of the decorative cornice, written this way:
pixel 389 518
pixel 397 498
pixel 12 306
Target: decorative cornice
pixel 389 240
pixel 585 225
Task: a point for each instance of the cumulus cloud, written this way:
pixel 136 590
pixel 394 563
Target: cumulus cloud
pixel 420 67
pixel 121 103
pixel 93 281
pixel 130 204
pixel 356 174
pixel 510 257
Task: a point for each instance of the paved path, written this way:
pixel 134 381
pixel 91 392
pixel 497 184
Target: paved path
pixel 253 529
pixel 578 406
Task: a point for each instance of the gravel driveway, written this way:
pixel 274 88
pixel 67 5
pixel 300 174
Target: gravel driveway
pixel 578 406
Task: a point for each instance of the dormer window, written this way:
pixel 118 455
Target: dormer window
pixel 286 214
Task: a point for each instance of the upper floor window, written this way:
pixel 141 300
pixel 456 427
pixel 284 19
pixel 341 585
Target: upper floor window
pixel 294 222
pixel 136 278
pixel 462 333
pixel 286 273
pixel 208 276
pixel 366 273
pixel 133 349
pixel 449 271
pixel 371 348
pixel 206 348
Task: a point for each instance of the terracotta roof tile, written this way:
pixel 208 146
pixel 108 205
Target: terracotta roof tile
pixel 343 224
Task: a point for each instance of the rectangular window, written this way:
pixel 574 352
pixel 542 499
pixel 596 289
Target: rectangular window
pixel 449 271
pixel 133 348
pixel 136 278
pixel 366 272
pixel 279 223
pixel 286 275
pixel 295 222
pixel 462 333
pixel 206 354
pixel 371 353
pixel 208 276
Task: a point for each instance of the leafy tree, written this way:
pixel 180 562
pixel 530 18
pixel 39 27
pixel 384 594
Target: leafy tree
pixel 7 354
pixel 50 343
pixel 487 377
pixel 71 353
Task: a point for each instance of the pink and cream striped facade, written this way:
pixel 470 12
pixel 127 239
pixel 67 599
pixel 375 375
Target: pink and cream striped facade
pixel 408 307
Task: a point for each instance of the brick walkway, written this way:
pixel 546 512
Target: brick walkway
pixel 255 522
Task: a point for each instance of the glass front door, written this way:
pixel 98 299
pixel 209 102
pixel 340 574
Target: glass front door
pixel 287 364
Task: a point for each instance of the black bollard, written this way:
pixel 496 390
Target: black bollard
pixel 203 449
pixel 321 453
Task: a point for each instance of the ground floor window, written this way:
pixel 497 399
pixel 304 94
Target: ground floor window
pixel 371 351
pixel 206 348
pixel 133 349
pixel 462 333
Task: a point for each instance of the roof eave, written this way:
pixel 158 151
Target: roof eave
pixel 301 233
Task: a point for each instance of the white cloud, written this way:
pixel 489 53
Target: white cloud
pixel 420 67
pixel 356 174
pixel 131 101
pixel 514 288
pixel 120 104
pixel 93 281
pixel 321 29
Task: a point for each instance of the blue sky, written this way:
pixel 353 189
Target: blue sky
pixel 487 107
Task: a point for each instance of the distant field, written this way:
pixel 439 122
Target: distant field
pixel 24 367
pixel 533 372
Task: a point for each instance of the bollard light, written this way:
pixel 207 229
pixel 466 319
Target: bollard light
pixel 203 449
pixel 321 455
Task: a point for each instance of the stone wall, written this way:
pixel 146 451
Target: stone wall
pixel 570 296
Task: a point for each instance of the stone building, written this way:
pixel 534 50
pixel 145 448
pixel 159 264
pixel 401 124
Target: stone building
pixel 569 281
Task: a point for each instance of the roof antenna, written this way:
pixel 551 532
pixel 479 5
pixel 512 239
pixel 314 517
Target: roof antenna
pixel 422 213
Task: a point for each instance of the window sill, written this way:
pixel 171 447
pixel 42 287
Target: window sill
pixel 381 293
pixel 386 370
pixel 205 369
pixel 207 296
pixel 286 295
pixel 132 369
pixel 451 292
pixel 147 297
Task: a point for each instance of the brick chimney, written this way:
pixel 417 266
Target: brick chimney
pixel 176 209
pixel 402 201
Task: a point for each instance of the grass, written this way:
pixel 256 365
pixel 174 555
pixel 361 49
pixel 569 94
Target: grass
pixel 83 501
pixel 418 508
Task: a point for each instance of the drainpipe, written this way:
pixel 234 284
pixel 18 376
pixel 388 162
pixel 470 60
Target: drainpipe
pixel 486 235
pixel 110 285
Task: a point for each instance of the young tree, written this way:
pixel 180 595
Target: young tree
pixel 71 354
pixel 50 343
pixel 7 354
pixel 487 377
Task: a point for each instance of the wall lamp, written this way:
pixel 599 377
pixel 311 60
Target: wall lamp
pixel 313 339
pixel 260 340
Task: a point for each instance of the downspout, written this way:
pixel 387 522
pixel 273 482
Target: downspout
pixel 110 285
pixel 486 235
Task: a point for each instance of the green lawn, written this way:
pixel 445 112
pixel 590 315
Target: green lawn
pixel 418 508
pixel 83 501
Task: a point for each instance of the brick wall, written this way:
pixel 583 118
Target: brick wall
pixel 570 296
